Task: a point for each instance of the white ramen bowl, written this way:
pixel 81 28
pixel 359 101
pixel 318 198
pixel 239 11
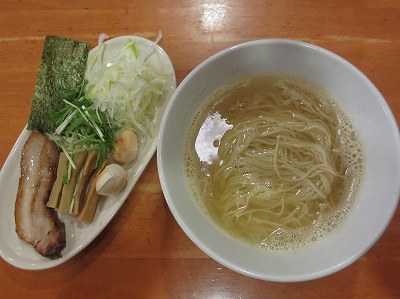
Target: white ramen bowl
pixel 369 112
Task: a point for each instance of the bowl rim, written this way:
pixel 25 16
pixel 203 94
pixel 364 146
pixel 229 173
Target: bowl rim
pixel 208 250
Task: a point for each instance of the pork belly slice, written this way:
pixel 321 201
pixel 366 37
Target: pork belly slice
pixel 35 223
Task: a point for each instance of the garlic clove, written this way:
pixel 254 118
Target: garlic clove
pixel 111 180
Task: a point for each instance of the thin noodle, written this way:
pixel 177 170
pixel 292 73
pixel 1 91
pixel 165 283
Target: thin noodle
pixel 281 162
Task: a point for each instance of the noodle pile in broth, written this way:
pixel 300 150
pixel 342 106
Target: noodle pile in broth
pixel 272 160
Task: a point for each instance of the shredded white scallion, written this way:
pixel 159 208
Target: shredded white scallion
pixel 126 86
pixel 102 38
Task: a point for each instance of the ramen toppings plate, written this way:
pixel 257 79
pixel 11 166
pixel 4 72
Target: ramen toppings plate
pixel 79 235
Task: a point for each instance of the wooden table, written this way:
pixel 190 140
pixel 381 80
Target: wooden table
pixel 143 253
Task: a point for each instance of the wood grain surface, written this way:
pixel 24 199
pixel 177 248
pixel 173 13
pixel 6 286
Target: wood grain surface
pixel 143 253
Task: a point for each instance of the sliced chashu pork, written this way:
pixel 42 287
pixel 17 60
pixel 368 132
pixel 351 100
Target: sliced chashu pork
pixel 35 223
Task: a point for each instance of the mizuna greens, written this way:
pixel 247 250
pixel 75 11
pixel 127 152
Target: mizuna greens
pixel 82 127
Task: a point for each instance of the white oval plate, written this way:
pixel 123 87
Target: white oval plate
pixel 22 255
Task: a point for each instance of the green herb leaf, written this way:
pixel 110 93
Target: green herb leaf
pixel 80 126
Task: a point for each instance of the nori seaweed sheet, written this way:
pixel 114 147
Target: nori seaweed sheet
pixel 62 67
